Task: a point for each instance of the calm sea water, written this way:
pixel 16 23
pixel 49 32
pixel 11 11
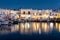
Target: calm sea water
pixel 31 30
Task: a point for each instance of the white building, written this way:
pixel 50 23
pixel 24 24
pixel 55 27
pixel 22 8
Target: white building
pixel 25 13
pixel 14 14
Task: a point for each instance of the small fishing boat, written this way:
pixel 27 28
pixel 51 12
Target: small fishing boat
pixel 3 21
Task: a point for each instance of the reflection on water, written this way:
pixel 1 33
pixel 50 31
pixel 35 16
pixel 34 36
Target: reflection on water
pixel 57 26
pixel 30 27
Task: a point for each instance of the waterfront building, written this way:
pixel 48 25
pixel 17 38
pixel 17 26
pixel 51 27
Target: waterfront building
pixel 25 14
pixel 3 14
pixel 29 14
pixel 14 14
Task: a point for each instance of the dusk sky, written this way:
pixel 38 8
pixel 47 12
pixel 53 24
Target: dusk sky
pixel 35 4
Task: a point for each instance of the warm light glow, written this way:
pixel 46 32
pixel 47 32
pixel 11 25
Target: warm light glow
pixel 45 27
pixel 38 26
pixel 45 16
pixel 51 16
pixel 27 25
pixel 34 26
pixel 22 27
pixel 15 28
pixel 51 26
pixel 56 25
pixel 39 31
pixel 59 27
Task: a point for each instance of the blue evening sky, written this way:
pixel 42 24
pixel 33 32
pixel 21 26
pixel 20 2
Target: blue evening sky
pixel 35 4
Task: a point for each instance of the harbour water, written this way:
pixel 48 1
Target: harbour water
pixel 31 30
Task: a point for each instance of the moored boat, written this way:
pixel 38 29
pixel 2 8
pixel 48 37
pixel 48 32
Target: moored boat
pixel 4 22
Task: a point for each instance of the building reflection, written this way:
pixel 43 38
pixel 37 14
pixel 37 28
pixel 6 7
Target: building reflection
pixel 24 27
pixel 57 26
pixel 14 28
pixel 51 26
pixel 4 29
pixel 45 27
pixel 30 27
pixel 36 27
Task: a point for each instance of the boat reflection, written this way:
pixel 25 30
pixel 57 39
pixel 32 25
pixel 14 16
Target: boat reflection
pixel 30 27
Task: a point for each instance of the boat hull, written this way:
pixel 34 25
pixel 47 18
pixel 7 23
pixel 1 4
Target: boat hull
pixel 4 22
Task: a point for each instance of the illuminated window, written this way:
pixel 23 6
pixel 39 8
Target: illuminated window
pixel 23 12
pixel 40 14
pixel 55 14
pixel 28 12
pixel 34 13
